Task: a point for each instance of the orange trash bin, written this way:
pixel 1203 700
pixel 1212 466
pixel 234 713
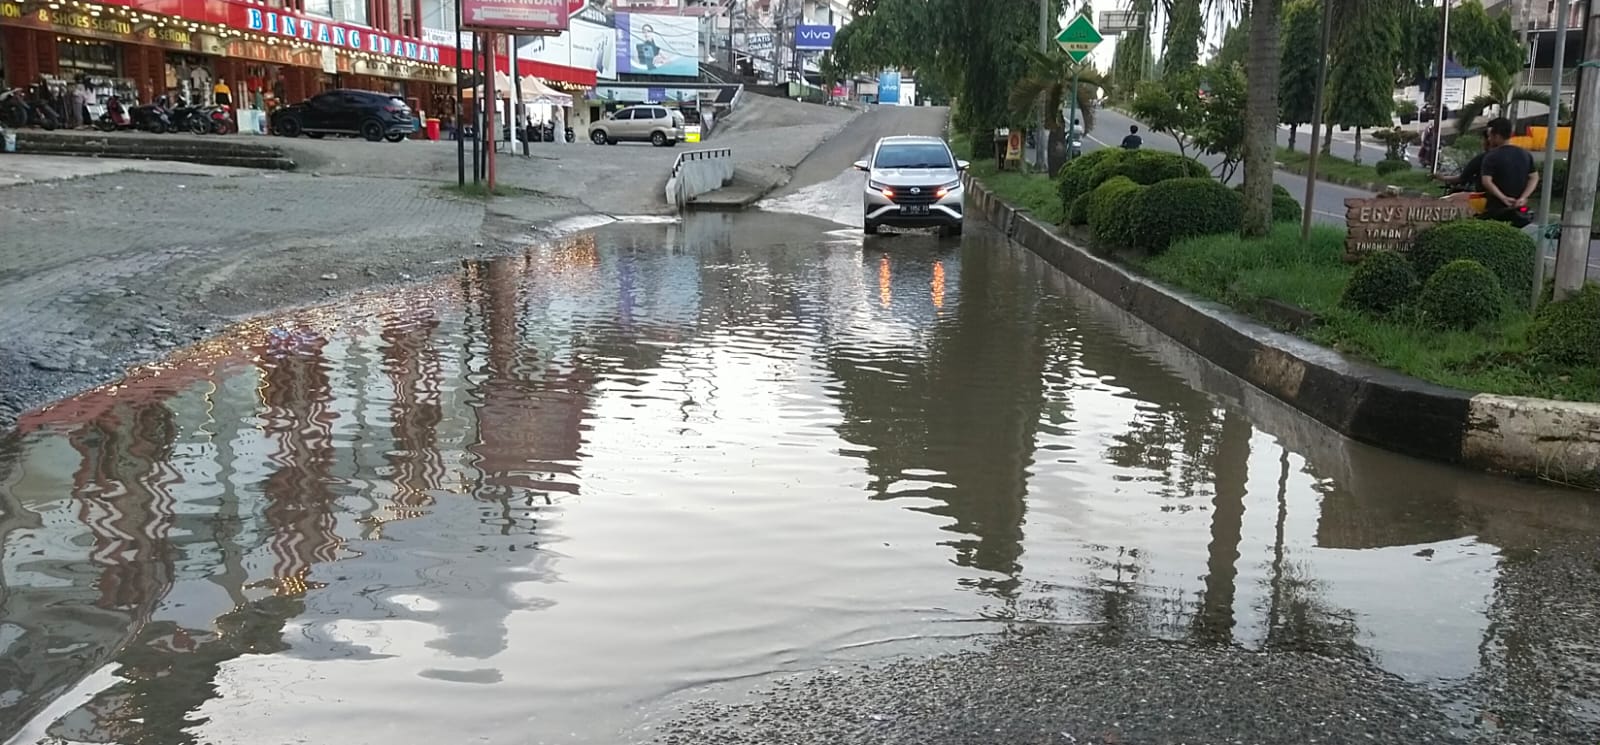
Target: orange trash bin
pixel 433 129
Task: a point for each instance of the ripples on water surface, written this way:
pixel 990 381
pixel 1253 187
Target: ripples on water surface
pixel 524 502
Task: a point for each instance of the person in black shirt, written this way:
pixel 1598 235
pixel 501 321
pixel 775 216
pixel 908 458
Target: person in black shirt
pixel 1508 176
pixel 1133 141
pixel 1471 174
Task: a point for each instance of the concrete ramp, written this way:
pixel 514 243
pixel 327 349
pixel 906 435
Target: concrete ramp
pixel 240 151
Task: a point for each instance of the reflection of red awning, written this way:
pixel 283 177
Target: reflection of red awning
pixel 152 385
pixel 574 75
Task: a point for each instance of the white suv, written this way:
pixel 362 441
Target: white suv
pixel 912 182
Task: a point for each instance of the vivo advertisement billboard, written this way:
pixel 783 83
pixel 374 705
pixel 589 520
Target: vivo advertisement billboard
pixel 658 45
pixel 813 37
pixel 889 87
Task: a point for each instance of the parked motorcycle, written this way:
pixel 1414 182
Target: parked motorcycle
pixel 18 108
pixel 221 120
pixel 572 136
pixel 190 118
pixel 115 117
pixel 152 117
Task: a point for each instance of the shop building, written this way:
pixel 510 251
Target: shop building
pixel 260 55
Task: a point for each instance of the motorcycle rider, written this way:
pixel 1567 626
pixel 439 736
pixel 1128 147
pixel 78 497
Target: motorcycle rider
pixel 1133 141
pixel 1465 183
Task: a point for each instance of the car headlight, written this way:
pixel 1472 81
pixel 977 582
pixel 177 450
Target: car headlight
pixel 947 188
pixel 881 188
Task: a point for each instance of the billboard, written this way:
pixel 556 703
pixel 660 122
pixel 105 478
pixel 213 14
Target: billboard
pixel 889 87
pixel 658 45
pixel 813 37
pixel 585 45
pixel 512 16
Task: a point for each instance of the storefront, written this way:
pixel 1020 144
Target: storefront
pixel 197 49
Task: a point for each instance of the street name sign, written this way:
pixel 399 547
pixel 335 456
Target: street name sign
pixel 1079 38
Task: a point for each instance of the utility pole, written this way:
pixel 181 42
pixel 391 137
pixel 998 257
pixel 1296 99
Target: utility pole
pixel 1041 144
pixel 1572 254
pixel 1318 127
pixel 1526 70
pixel 1547 178
pixel 1444 62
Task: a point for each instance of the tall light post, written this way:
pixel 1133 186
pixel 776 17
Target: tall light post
pixel 1547 177
pixel 1317 124
pixel 1041 145
pixel 1438 105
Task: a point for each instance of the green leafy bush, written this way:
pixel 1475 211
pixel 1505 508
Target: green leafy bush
pixel 1568 332
pixel 1181 208
pixel 1096 167
pixel 1558 177
pixel 1504 250
pixel 1461 295
pixel 1111 205
pixel 1149 167
pixel 1391 165
pixel 1381 283
pixel 1077 177
pixel 1285 208
pixel 1078 211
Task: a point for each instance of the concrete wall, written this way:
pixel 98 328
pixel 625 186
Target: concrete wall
pixel 697 172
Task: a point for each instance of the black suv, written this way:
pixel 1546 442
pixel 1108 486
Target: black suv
pixel 375 116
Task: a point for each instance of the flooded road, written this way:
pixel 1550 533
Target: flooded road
pixel 543 500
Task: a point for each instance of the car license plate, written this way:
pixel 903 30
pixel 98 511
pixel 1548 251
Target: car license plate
pixel 914 209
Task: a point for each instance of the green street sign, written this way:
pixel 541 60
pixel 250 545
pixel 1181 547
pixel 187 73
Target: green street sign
pixel 1079 38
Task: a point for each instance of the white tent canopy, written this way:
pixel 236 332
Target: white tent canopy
pixel 534 91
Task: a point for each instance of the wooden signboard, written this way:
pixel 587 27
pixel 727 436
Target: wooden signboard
pixel 1392 223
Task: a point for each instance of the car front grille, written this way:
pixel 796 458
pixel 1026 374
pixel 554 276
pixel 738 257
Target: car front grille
pixel 915 194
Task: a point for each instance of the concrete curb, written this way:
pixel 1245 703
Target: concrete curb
pixel 1554 440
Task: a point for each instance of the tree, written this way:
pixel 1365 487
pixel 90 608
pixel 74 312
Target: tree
pixel 1502 93
pixel 1235 46
pixel 1049 81
pixel 1367 45
pixel 1133 61
pixel 1223 126
pixel 1260 133
pixel 1172 106
pixel 1185 28
pixel 1297 76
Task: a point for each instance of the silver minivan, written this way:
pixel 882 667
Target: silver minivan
pixel 657 125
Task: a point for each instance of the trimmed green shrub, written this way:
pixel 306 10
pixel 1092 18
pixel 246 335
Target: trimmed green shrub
pixel 1568 332
pixel 1285 208
pixel 1078 211
pixel 1391 165
pixel 1461 295
pixel 1502 249
pixel 1383 282
pixel 1172 210
pixel 1149 167
pixel 1110 207
pixel 1077 177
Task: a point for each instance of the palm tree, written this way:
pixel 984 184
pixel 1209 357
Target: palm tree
pixel 1049 80
pixel 1261 117
pixel 1502 93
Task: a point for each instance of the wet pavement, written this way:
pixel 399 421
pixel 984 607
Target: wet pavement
pixel 602 490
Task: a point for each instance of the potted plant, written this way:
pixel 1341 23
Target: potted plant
pixel 1407 109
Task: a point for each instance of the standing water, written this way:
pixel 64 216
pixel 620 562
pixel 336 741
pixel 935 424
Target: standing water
pixel 531 501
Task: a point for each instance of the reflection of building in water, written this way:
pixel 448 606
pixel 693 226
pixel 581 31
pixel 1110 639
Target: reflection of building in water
pixel 414 369
pixel 64 616
pixel 295 394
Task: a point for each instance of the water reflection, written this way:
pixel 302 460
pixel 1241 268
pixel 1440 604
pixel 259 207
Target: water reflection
pixel 568 482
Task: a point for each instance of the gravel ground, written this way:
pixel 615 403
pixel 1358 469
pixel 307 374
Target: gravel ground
pixel 1059 687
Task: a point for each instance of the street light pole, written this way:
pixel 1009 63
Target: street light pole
pixel 1317 125
pixel 1547 177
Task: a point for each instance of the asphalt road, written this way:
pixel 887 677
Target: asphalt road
pixel 838 153
pixel 1327 204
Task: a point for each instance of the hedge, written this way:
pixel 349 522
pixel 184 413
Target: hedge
pixel 1500 248
pixel 1181 208
pixel 1109 205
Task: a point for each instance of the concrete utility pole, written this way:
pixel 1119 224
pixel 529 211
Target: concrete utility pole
pixel 1041 144
pixel 1547 177
pixel 1572 255
pixel 1318 126
pixel 1525 18
pixel 1444 63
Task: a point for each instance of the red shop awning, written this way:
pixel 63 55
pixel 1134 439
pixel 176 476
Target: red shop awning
pixel 546 70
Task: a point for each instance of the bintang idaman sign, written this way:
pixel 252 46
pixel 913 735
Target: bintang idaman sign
pixel 1392 223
